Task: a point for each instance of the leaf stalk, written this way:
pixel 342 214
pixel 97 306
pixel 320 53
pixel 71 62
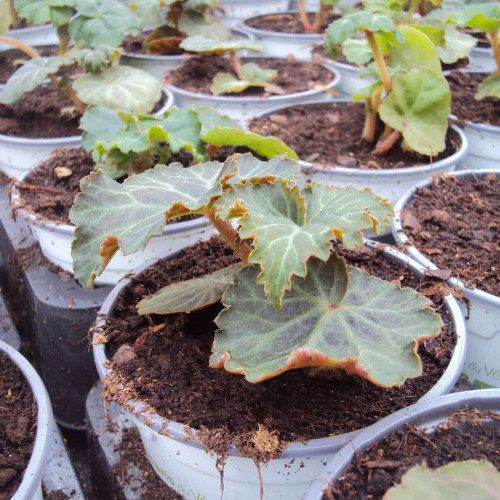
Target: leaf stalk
pixel 379 60
pixel 495 45
pixel 304 19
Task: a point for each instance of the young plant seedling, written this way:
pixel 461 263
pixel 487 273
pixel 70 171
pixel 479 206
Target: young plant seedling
pixel 457 480
pixel 125 144
pixel 325 9
pixel 485 17
pixel 417 98
pixel 290 303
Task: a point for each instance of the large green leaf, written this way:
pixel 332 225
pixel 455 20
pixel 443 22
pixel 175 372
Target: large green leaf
pixel 150 11
pixel 336 317
pixel 357 51
pixel 211 46
pixel 470 479
pixel 287 227
pixel 98 124
pixel 389 8
pixel 190 295
pixel 264 146
pixel 5 19
pixel 95 60
pixel 490 87
pixel 483 16
pixel 210 118
pixel 250 75
pixel 103 22
pixel 119 87
pixel 457 45
pixel 418 106
pixel 197 24
pixel 28 77
pixel 40 11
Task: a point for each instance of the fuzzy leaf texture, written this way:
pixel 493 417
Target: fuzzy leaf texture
pixel 119 87
pixel 191 295
pixel 103 22
pixel 456 480
pixel 44 11
pixel 288 227
pixel 418 106
pixel 31 74
pixel 490 87
pixel 337 317
pixel 109 215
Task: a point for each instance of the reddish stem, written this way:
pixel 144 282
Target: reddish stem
pixel 384 145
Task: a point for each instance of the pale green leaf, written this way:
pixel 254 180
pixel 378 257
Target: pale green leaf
pixel 457 45
pixel 366 92
pixel 357 51
pixel 211 46
pixel 40 11
pixel 190 295
pixel 5 19
pixel 336 318
pixel 210 118
pixel 98 124
pixel 389 8
pixel 150 11
pixel 251 75
pixel 28 77
pixel 119 87
pixel 483 16
pixel 490 87
pixel 197 24
pixel 470 479
pixel 287 227
pixel 418 106
pixel 436 34
pixel 94 60
pixel 268 147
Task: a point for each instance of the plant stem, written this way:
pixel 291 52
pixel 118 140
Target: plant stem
pixel 14 18
pixel 235 62
pixel 321 17
pixel 379 59
pixel 496 50
pixel 386 144
pixel 30 51
pixel 303 17
pixel 230 236
pixel 372 104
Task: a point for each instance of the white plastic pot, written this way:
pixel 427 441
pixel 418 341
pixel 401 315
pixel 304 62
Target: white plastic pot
pixel 44 34
pixel 425 414
pixel 55 242
pixel 30 487
pixel 240 108
pixel 387 183
pixel 482 313
pixel 20 154
pixel 235 10
pixel 482 58
pixel 159 65
pixel 185 465
pixel 277 44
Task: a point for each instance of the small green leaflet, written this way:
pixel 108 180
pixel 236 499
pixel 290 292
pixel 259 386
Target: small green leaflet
pixel 210 46
pixel 457 45
pixel 41 11
pixel 94 60
pixel 490 87
pixel 336 317
pixel 250 76
pixel 483 16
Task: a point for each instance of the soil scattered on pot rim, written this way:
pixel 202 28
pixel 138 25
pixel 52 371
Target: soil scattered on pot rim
pixel 465 436
pixel 18 412
pixel 39 114
pixel 163 360
pixel 197 72
pixel 330 135
pixel 132 452
pixel 287 23
pixel 464 87
pixel 456 224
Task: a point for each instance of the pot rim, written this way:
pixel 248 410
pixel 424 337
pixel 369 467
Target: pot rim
pixel 177 431
pixel 355 173
pixel 483 398
pixel 257 100
pixel 31 29
pixel 43 440
pixel 303 37
pixel 401 238
pixel 69 141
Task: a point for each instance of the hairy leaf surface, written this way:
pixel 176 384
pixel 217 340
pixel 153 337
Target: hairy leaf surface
pixel 336 317
pixel 190 295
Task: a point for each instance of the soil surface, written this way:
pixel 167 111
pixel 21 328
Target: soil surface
pixel 456 224
pixel 286 23
pixel 464 87
pixel 132 452
pixel 330 134
pixel 461 63
pixel 18 412
pixel 464 436
pixel 38 115
pixel 50 197
pixel 197 72
pixel 164 361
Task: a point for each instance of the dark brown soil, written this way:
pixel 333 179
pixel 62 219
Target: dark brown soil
pixel 197 72
pixel 18 414
pixel 166 364
pixel 461 63
pixel 49 196
pixel 330 134
pixel 38 115
pixel 319 54
pixel 456 224
pixel 131 451
pixel 55 494
pixel 464 437
pixel 463 104
pixel 286 23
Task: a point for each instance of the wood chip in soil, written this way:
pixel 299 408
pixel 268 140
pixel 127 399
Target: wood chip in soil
pixel 455 223
pixel 330 135
pixel 18 412
pixel 287 23
pixel 166 365
pixel 464 87
pixel 197 72
pixel 465 436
